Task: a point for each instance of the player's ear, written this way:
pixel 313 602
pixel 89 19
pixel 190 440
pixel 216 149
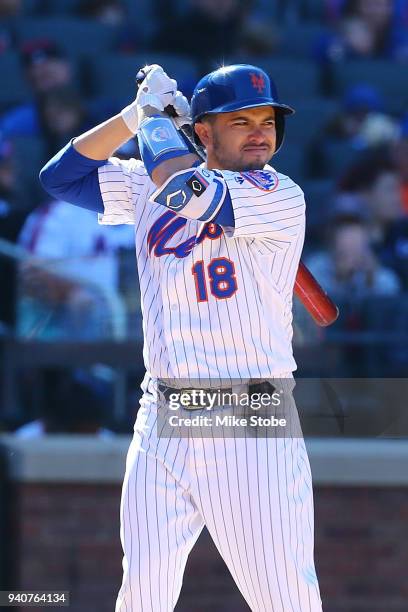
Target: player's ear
pixel 203 131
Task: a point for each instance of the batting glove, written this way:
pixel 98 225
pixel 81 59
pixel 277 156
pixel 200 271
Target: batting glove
pixel 157 90
pixel 182 108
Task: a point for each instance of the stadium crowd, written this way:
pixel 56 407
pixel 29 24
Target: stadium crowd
pixel 343 64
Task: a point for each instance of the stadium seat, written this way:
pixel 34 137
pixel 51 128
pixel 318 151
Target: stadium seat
pixel 49 7
pixel 318 196
pixel 339 156
pixel 314 10
pixel 141 11
pixel 31 7
pixel 391 78
pixel 266 8
pixel 75 36
pixel 310 116
pixel 15 89
pixel 386 314
pixel 298 39
pixel 291 11
pixel 114 76
pixel 289 161
pixel 385 318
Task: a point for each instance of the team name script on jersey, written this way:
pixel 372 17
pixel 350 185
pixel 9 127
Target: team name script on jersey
pixel 166 226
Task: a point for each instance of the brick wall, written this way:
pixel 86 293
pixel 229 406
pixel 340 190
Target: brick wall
pixel 68 539
pixel 62 513
pixel 362 548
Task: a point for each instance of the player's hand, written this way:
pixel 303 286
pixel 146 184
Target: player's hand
pixel 179 104
pixel 151 94
pixel 157 90
pixel 182 108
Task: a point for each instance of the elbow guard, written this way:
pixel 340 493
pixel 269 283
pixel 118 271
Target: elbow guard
pixel 196 193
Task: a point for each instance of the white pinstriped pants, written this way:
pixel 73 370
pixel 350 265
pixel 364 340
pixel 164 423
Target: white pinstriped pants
pixel 253 494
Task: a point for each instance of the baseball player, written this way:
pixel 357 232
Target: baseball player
pixel 218 245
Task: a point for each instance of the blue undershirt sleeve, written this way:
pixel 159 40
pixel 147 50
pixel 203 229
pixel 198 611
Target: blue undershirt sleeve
pixel 72 177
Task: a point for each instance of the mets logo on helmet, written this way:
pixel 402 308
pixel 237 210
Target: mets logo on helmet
pixel 258 82
pixel 262 179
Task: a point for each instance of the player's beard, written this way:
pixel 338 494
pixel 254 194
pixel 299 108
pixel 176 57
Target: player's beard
pixel 233 162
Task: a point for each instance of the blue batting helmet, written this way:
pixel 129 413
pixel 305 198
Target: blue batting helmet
pixel 235 87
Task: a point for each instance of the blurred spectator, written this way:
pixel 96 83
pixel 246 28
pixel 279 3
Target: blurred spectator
pixel 115 13
pixel 62 115
pixel 110 12
pixel 259 37
pixel 209 31
pixel 8 178
pixel 361 123
pixel 9 13
pixel 376 180
pixel 347 207
pixel 12 217
pixel 334 10
pixel 80 272
pixel 69 407
pixel 366 29
pixel 376 130
pixel 393 251
pixel 46 67
pixel 399 154
pixel 350 269
pixel 359 102
pixel 9 8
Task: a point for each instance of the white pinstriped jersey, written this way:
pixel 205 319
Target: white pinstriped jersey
pixel 218 306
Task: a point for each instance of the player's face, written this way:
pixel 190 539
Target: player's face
pixel 241 140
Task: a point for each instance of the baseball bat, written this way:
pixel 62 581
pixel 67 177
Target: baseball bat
pixel 314 298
